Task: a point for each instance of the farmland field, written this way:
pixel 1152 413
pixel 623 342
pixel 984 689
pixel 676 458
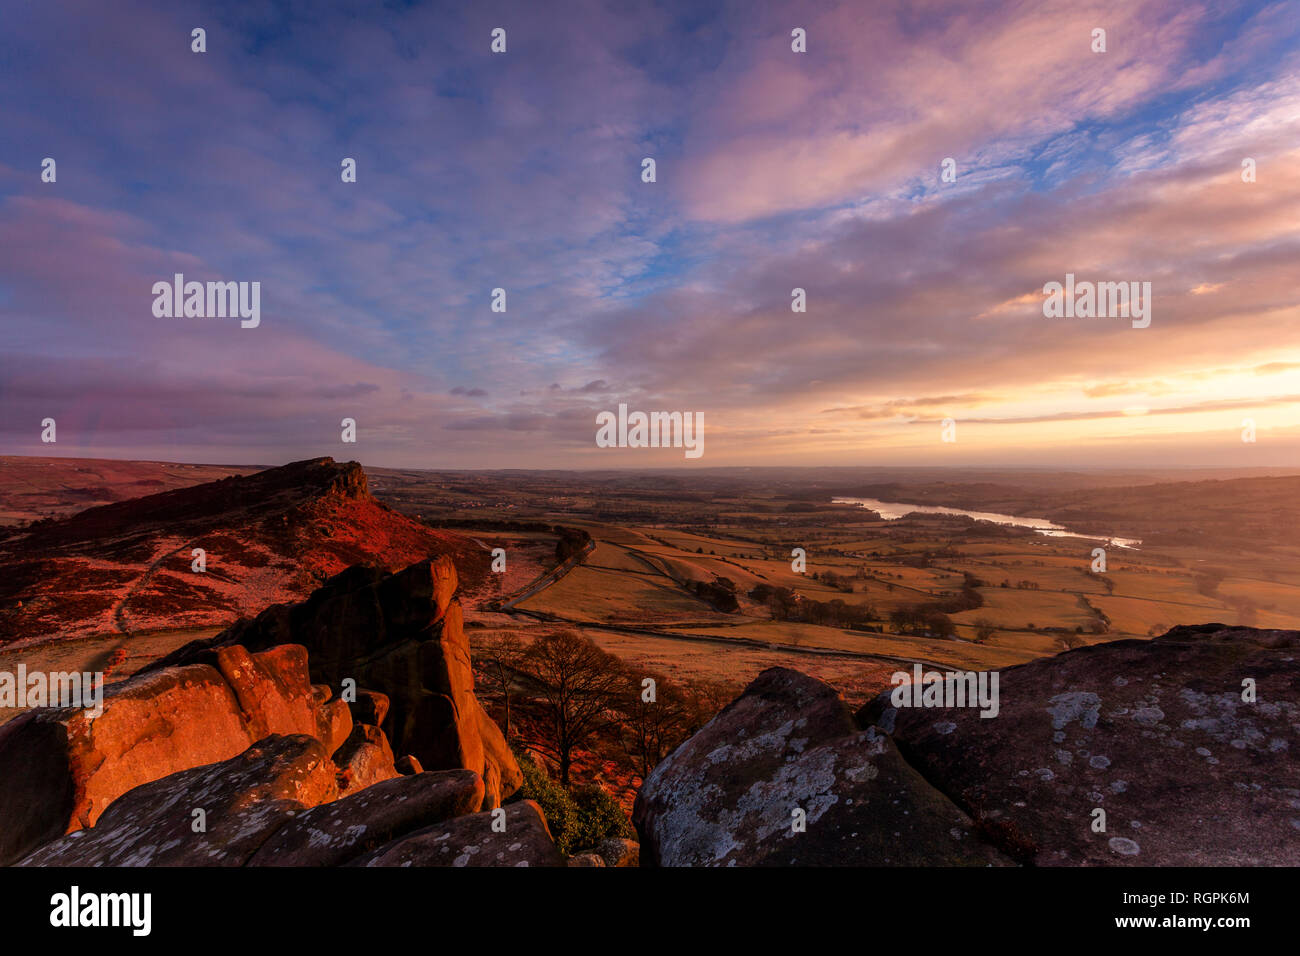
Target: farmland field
pixel 766 567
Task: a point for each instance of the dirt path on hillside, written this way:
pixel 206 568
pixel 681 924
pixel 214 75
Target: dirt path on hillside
pixel 119 610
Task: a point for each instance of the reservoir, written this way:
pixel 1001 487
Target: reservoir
pixel 893 510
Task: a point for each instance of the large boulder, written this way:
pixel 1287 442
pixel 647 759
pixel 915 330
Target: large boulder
pixel 1157 734
pixel 364 760
pixel 403 635
pixel 782 776
pixel 218 815
pixel 519 837
pixel 273 805
pixel 60 769
pixel 333 833
pixel 1178 751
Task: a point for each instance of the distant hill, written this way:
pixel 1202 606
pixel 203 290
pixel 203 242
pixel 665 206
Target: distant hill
pixel 1239 513
pixel 1244 514
pixel 33 488
pixel 268 537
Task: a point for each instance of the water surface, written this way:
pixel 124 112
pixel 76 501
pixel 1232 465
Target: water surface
pixel 893 510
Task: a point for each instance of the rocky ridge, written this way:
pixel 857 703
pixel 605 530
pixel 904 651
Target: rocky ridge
pixel 268 537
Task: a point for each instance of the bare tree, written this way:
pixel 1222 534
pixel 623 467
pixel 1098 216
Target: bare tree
pixel 501 656
pixel 706 698
pixel 652 728
pixel 579 685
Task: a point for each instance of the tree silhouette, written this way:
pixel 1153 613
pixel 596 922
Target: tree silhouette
pixel 579 685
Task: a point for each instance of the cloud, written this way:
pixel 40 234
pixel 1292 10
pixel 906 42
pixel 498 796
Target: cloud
pixel 907 406
pixel 1207 406
pixel 777 170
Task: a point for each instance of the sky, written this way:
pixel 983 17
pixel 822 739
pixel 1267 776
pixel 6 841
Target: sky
pixel 774 170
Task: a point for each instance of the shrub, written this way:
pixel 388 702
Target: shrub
pixel 577 820
pixel 598 817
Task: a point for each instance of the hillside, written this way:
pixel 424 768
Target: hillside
pixel 268 537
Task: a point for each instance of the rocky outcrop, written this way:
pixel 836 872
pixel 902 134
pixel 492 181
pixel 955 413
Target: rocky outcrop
pixel 364 760
pixel 401 634
pixel 334 833
pixel 1157 734
pixel 60 769
pixel 515 835
pixel 276 804
pixel 782 777
pixel 268 537
pixel 386 651
pixel 212 700
pixel 217 815
pixel 1183 747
